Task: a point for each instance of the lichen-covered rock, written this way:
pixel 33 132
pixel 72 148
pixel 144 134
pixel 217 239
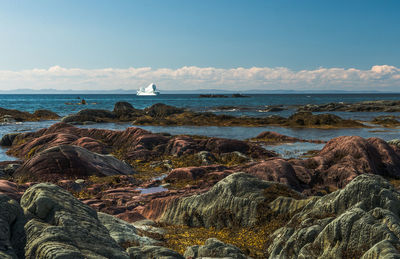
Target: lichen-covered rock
pixel 349 223
pixel 69 161
pixel 123 232
pixel 150 252
pixel 61 226
pixel 12 233
pixel 233 201
pixel 213 248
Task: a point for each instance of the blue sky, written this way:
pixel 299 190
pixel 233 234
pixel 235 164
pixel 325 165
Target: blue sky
pixel 222 34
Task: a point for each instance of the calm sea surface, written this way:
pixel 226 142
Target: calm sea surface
pixel 251 106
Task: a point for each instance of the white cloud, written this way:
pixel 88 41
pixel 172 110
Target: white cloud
pixel 382 77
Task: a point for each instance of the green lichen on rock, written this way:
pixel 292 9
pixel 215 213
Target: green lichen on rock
pixel 61 226
pixel 347 223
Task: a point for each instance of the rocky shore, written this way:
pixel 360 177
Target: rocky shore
pixel 95 193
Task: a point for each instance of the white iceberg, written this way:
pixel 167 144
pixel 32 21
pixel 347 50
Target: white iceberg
pixel 151 90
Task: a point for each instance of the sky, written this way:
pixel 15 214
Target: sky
pixel 348 45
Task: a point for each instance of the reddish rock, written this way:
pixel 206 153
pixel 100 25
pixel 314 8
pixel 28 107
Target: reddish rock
pixel 192 173
pixel 69 162
pixel 277 170
pixel 11 189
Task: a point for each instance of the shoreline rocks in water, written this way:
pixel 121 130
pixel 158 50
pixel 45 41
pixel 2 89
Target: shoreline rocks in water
pixel 366 106
pixel 9 116
pixel 165 115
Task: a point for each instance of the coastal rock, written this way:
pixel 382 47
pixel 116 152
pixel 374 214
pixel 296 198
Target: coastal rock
pixel 60 226
pixel 70 162
pixel 196 173
pixel 213 248
pixel 12 234
pixel 38 115
pixel 366 106
pixel 207 158
pixel 160 110
pixel 150 252
pixel 123 232
pixel 279 170
pixel 7 139
pixel 394 142
pixel 272 137
pixel 301 119
pixel 344 158
pixel 386 121
pixel 45 115
pixel 126 112
pixel 90 115
pixel 359 220
pixel 10 189
pixel 31 145
pixel 233 201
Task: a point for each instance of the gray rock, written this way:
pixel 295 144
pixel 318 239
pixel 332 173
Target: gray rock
pixel 151 252
pixel 149 226
pixel 213 248
pixel 207 158
pixel 12 233
pixel 61 226
pixel 123 232
pixel 233 201
pixel 349 223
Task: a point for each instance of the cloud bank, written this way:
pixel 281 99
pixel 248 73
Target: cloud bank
pixel 378 78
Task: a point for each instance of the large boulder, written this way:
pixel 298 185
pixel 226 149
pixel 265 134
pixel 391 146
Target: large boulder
pixel 61 226
pixel 160 110
pixel 360 220
pixel 67 161
pixel 12 233
pixel 125 111
pixel 278 170
pixel 233 201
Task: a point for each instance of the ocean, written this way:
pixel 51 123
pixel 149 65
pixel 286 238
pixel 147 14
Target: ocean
pixel 254 105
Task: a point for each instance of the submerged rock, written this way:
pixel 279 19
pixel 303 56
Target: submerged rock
pixel 60 226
